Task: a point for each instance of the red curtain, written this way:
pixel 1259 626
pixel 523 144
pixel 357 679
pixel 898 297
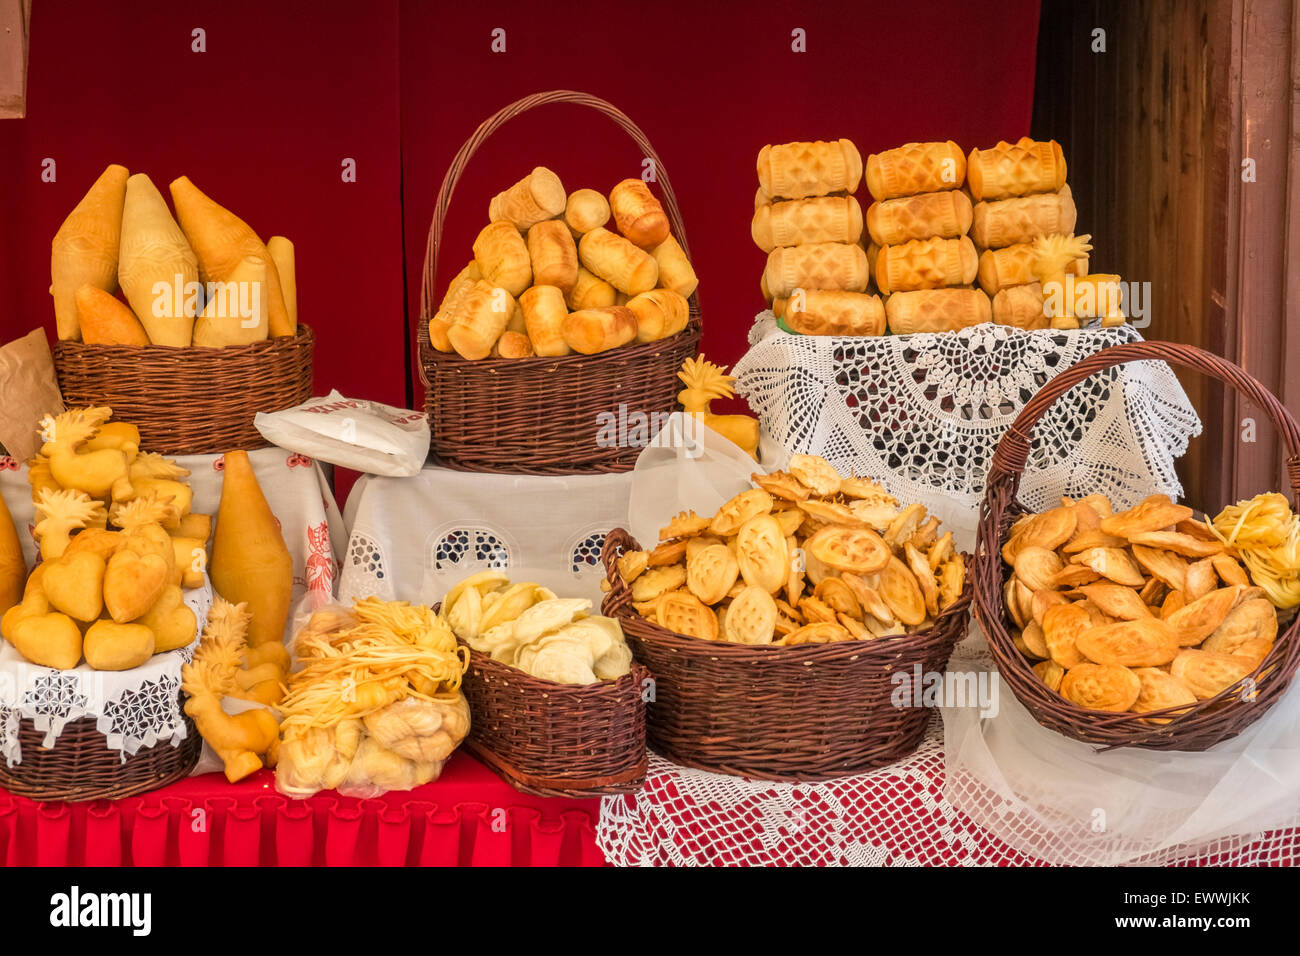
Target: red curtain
pixel 467 817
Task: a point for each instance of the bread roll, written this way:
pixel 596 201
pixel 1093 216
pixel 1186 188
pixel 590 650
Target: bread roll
pixel 452 302
pixel 590 292
pixel 936 310
pixel 1015 170
pixel 675 270
pixel 586 210
pixel 503 258
pixel 799 222
pixel 544 314
pixel 623 265
pixel 799 170
pixel 1005 222
pixel 895 221
pixel 837 313
pixel 553 255
pixel 513 345
pixel 639 215
pixel 822 265
pixel 1020 306
pixel 915 168
pixel 1014 265
pixel 482 319
pixel 537 196
pixel 926 264
pixel 659 314
pixel 598 330
pixel 516 321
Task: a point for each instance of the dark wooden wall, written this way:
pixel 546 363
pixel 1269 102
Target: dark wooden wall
pixel 1154 131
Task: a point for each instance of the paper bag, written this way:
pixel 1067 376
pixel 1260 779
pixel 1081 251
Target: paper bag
pixel 352 433
pixel 29 390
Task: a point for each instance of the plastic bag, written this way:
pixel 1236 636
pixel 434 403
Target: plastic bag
pixel 352 433
pixel 688 465
pixel 1063 802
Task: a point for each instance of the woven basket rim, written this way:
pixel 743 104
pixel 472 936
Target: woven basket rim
pixel 529 682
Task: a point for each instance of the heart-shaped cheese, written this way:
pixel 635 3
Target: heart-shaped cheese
pixel 133 583
pixel 74 584
pixel 51 640
pixel 171 620
pixel 118 647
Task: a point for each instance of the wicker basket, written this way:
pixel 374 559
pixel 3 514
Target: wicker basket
pixel 790 714
pixel 81 767
pixel 557 740
pixel 190 401
pixel 1208 722
pixel 539 416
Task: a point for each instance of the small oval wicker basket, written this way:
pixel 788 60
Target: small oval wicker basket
pixel 542 416
pixel 790 714
pixel 1199 727
pixel 190 401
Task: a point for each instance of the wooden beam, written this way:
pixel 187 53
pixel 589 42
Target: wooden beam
pixel 15 27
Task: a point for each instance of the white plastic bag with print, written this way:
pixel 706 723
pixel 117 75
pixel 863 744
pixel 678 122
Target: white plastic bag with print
pixel 352 433
pixel 689 466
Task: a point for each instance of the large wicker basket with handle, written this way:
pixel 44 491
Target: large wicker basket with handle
pixel 1192 728
pixel 769 712
pixel 190 401
pixel 542 415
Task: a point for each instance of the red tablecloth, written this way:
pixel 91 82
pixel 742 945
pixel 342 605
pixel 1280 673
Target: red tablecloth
pixel 467 817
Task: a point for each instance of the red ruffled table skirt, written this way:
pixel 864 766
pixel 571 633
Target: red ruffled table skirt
pixel 468 817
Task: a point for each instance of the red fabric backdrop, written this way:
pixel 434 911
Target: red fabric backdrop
pixel 285 92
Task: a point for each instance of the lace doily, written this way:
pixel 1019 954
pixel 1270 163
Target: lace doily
pixel 132 709
pixel 900 815
pixel 924 413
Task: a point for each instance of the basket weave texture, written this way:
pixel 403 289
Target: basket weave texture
pixel 1199 727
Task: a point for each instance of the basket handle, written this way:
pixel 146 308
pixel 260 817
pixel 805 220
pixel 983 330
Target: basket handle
pixel 617 542
pixel 494 123
pixel 1013 449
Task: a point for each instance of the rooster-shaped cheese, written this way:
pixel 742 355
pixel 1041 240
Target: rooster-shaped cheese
pixel 705 382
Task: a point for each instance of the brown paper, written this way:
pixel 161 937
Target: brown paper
pixel 29 391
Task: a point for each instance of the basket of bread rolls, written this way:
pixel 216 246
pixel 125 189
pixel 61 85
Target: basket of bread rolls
pixel 185 323
pixel 577 305
pixel 1152 626
pixel 788 633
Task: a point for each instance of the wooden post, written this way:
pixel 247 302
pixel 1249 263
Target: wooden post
pixel 15 23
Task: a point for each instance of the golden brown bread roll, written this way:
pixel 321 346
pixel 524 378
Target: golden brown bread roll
pixel 1003 268
pixel 821 265
pixel 598 330
pixel 915 168
pixel 585 210
pixel 659 314
pixel 799 170
pixel 638 214
pixel 926 264
pixel 590 292
pixel 513 345
pixel 553 255
pixel 544 314
pixel 537 196
pixel 1020 306
pixel 675 270
pixel 798 222
pixel 449 309
pixel 892 222
pixel 483 317
pixel 1015 170
pixel 1005 222
pixel 936 310
pixel 516 321
pixel 625 266
pixel 502 257
pixel 835 313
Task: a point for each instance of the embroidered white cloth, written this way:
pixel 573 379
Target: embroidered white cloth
pixel 139 708
pixel 412 539
pixel 924 413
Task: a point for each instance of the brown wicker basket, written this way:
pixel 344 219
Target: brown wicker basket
pixel 557 740
pixel 538 416
pixel 791 714
pixel 1208 722
pixel 80 766
pixel 190 401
